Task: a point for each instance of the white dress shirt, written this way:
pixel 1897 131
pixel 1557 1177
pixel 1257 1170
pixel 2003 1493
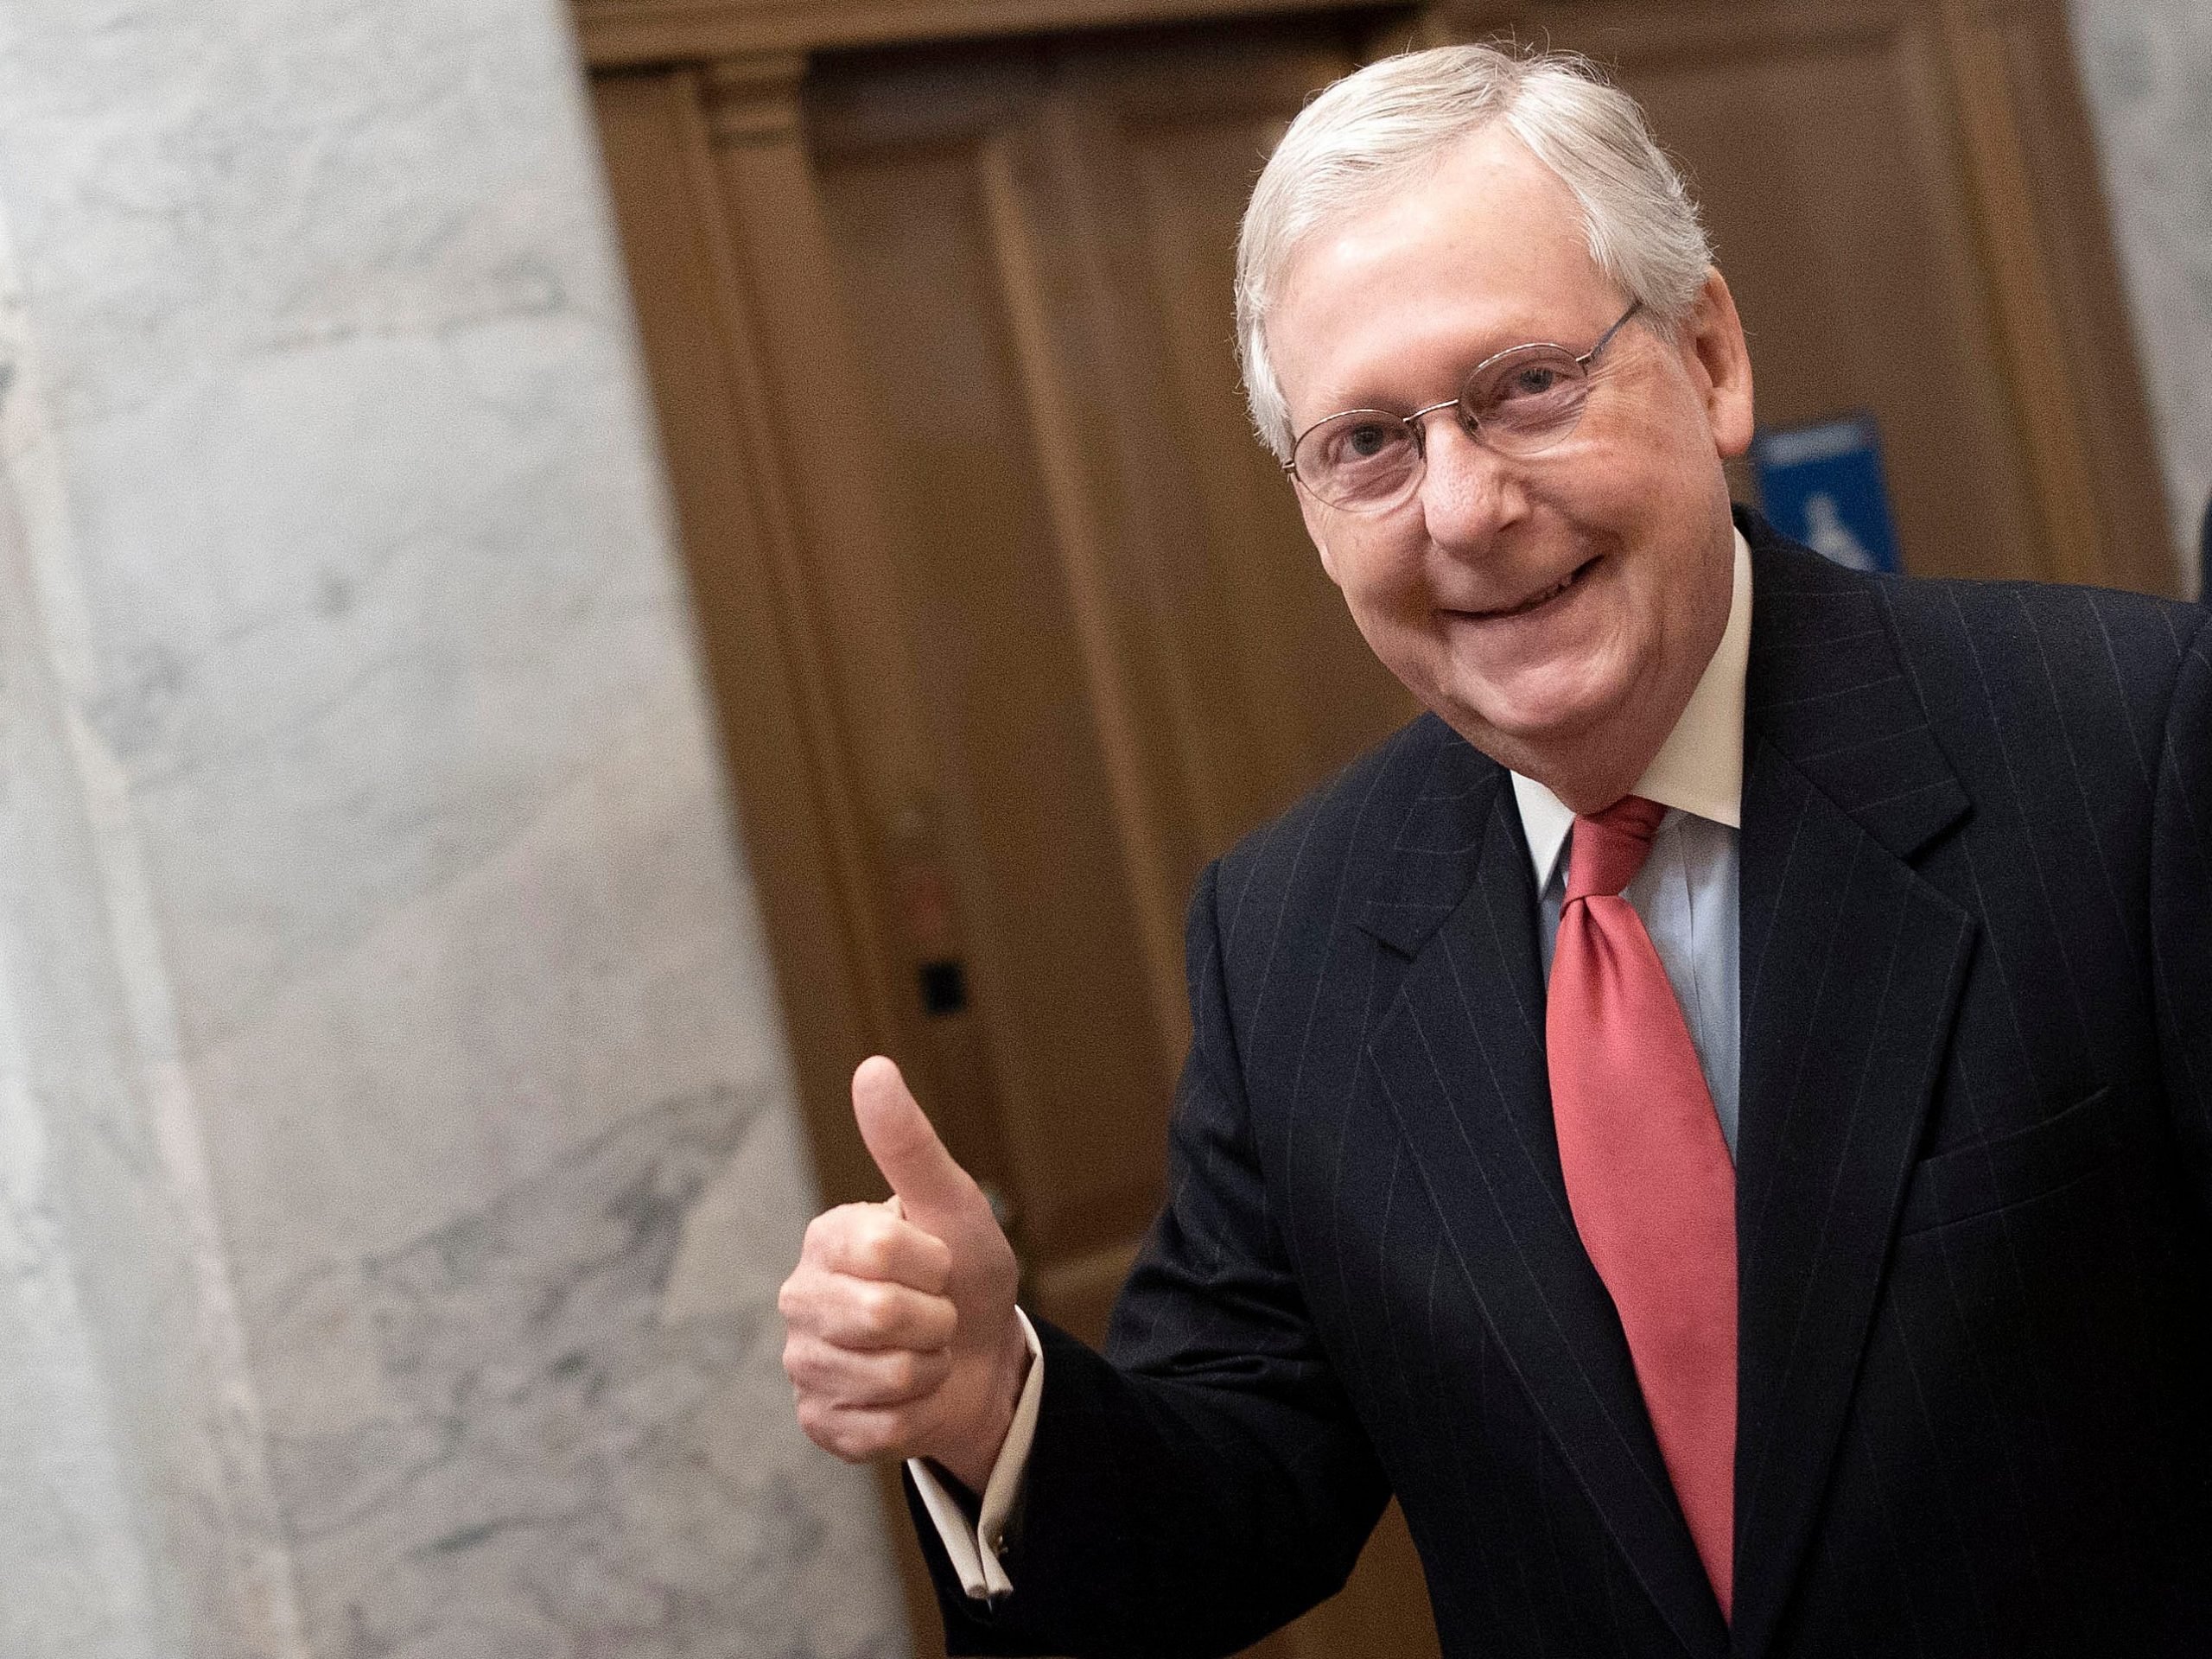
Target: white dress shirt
pixel 1686 894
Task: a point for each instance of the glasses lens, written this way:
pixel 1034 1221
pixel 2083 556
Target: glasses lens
pixel 1526 399
pixel 1357 459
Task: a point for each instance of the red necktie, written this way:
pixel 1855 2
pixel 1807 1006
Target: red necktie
pixel 1648 1175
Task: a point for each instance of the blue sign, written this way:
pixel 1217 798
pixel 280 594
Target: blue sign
pixel 1822 484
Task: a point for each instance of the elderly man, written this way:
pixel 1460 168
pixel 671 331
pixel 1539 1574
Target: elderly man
pixel 1716 1117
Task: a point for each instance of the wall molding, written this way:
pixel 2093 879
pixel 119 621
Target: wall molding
pixel 634 33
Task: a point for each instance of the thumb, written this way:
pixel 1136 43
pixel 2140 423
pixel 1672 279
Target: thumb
pixel 929 1185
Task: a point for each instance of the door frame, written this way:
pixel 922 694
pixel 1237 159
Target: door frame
pixel 740 257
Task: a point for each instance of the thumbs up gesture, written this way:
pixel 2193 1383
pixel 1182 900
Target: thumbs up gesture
pixel 901 1340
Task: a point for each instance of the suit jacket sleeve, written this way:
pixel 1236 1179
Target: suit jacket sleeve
pixel 1203 1481
pixel 2181 909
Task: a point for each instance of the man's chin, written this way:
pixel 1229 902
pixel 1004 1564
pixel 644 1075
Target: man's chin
pixel 1537 744
pixel 1539 717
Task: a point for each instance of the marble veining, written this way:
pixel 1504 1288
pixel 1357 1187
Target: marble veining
pixel 381 989
pixel 135 1354
pixel 493 1437
pixel 339 352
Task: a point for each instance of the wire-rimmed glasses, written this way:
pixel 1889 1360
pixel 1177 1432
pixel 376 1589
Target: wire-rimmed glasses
pixel 1520 401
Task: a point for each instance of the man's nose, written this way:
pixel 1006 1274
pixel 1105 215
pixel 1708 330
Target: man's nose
pixel 1468 491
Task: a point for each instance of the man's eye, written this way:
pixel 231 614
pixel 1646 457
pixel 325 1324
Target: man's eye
pixel 1366 444
pixel 1539 393
pixel 1534 380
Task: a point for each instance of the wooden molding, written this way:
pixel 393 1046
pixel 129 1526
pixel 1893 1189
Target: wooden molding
pixel 2028 323
pixel 2088 327
pixel 1696 31
pixel 752 98
pixel 628 34
pixel 744 534
pixel 1083 524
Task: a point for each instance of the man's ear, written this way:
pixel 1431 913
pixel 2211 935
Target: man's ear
pixel 1714 340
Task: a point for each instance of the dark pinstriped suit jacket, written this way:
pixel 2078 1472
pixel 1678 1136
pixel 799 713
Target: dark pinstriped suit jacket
pixel 1974 1190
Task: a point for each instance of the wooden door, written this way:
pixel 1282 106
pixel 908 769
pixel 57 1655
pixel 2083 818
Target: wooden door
pixel 1011 623
pixel 1068 635
pixel 1127 652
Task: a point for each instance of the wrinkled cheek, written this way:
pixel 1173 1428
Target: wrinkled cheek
pixel 1419 656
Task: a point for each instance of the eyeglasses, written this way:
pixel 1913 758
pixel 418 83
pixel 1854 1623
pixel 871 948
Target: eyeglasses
pixel 1520 401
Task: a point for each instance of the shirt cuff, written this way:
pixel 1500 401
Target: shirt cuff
pixel 975 1549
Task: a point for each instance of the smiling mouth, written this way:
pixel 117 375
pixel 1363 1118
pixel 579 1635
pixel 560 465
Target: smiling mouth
pixel 1539 599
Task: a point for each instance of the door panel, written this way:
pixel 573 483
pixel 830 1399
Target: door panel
pixel 1051 916
pixel 1128 652
pixel 1182 183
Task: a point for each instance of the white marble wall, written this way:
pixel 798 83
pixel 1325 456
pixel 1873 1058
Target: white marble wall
pixel 2146 67
pixel 396 1151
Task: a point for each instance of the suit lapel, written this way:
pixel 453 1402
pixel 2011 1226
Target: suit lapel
pixel 1851 968
pixel 1460 1059
pixel 1851 971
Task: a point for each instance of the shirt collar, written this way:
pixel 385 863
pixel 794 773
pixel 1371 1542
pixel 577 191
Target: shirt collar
pixel 1699 769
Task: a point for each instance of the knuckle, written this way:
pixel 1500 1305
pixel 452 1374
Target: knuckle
pixel 939 1322
pixel 813 1421
pixel 801 1364
pixel 877 1303
pixel 818 1247
pixel 804 1304
pixel 902 1373
pixel 875 1254
pixel 938 1254
pixel 859 1437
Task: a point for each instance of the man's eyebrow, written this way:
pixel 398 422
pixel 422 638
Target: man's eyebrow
pixel 1456 378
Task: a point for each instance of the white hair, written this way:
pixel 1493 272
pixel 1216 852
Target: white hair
pixel 1377 130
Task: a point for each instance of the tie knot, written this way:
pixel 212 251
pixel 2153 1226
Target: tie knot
pixel 1610 847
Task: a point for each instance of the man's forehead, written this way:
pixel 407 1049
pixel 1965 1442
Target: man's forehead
pixel 1484 242
pixel 1482 192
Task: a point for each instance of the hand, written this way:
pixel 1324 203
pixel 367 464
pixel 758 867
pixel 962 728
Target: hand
pixel 901 1335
